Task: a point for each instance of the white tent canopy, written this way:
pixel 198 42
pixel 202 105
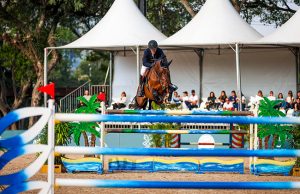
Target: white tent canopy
pixel 216 23
pixel 287 34
pixel 122 26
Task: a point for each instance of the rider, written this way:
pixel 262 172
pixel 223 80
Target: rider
pixel 152 54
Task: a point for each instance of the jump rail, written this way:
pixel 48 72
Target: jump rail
pixel 175 184
pixel 180 112
pixel 176 119
pixel 176 152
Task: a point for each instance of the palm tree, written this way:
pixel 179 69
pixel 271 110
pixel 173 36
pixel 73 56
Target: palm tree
pixel 282 132
pixel 90 106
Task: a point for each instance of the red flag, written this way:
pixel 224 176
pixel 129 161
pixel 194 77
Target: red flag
pixel 48 89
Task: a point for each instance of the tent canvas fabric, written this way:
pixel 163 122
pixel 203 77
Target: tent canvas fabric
pixel 217 23
pixel 122 26
pixel 287 34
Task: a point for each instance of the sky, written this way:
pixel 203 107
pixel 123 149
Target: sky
pixel 266 29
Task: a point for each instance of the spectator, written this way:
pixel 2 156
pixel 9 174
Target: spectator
pixel 176 98
pixel 121 103
pixel 193 100
pixel 271 96
pixel 233 99
pixel 243 102
pixel 222 97
pixel 86 95
pixel 280 96
pixel 297 107
pixel 259 96
pixel 289 100
pixel 298 95
pixel 101 97
pixel 211 101
pixel 281 105
pixel 185 99
pixel 228 105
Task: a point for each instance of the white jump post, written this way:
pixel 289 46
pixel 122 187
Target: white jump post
pixel 51 140
pixel 102 128
pixel 251 139
pixel 255 144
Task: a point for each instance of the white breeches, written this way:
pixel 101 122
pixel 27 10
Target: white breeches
pixel 143 69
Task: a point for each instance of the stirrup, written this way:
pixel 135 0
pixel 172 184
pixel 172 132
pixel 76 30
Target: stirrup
pixel 174 87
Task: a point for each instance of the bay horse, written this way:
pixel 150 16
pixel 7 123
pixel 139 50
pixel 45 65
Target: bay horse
pixel 157 85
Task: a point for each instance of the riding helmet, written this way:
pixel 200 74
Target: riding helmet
pixel 152 44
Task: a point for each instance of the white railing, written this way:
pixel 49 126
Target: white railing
pixel 69 103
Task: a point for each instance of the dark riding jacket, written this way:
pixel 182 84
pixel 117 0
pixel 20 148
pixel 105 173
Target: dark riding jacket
pixel 148 59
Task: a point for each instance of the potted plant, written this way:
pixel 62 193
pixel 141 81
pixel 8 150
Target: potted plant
pixel 89 162
pixel 61 138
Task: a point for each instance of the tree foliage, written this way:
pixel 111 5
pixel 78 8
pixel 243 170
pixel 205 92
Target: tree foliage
pixel 94 63
pixel 15 79
pixel 30 26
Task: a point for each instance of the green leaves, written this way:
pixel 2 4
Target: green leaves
pixel 90 107
pixel 78 128
pixel 279 132
pixel 266 108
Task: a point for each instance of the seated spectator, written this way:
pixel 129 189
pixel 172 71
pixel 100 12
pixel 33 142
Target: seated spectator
pixel 86 95
pixel 222 97
pixel 184 99
pixel 228 105
pixel 243 102
pixel 259 96
pixel 121 102
pixel 233 99
pixel 193 100
pixel 101 97
pixel 211 101
pixel 297 107
pixel 271 96
pixel 176 98
pixel 281 105
pixel 289 100
pixel 298 95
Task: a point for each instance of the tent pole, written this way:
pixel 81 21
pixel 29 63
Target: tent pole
pixel 45 74
pixel 238 75
pixel 138 65
pixel 110 75
pixel 297 68
pixel 201 73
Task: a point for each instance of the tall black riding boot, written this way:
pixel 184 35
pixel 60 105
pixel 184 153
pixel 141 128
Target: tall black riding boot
pixel 141 92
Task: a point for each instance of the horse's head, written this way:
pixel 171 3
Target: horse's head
pixel 165 77
pixel 165 63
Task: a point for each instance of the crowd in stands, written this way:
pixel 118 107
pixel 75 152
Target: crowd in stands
pixel 212 102
pixel 231 102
